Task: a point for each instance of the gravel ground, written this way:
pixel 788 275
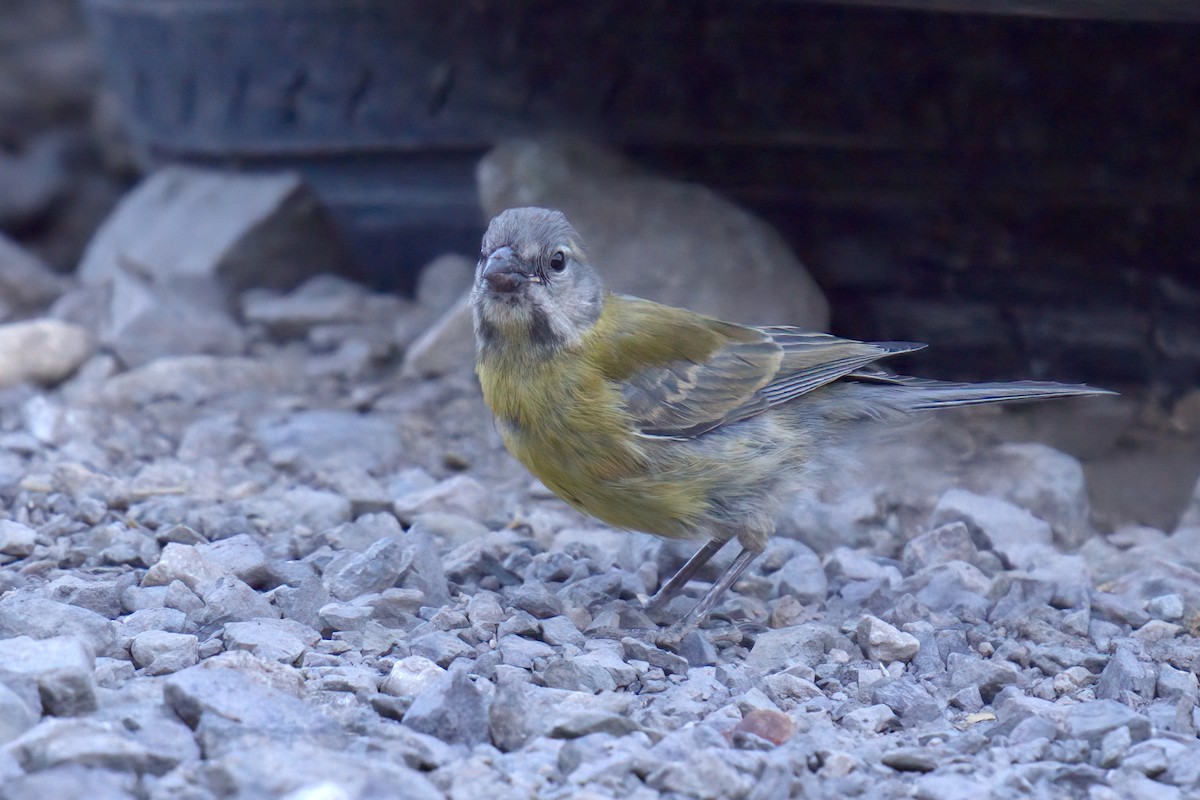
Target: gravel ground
pixel 294 573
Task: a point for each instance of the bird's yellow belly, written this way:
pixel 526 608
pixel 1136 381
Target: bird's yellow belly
pixel 568 426
pixel 601 478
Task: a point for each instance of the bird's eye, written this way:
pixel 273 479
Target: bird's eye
pixel 558 261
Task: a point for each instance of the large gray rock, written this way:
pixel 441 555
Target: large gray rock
pixel 1093 721
pixel 801 577
pixel 197 379
pixel 444 281
pixel 950 586
pixel 326 437
pixel 229 599
pixel 181 244
pixel 236 230
pixel 451 708
pixel 521 712
pixel 89 742
pixel 375 569
pixel 410 676
pixel 31 181
pixel 951 542
pixel 101 594
pixel 785 647
pixel 61 667
pixel 26 284
pixel 705 774
pixel 313 509
pixel 23 613
pixel 17 713
pixel 164 652
pixel 989 677
pixel 441 647
pixel 1177 684
pixel 1191 514
pixel 16 539
pixel 302 602
pixel 365 531
pixel 322 300
pixel 426 574
pixel 188 316
pixel 673 242
pixel 910 700
pixel 1046 482
pixel 240 555
pixel 460 494
pixel 281 677
pixel 1125 678
pixel 148 722
pixel 301 771
pixel 250 706
pixel 72 780
pixel 281 640
pixel 1008 530
pixel 445 346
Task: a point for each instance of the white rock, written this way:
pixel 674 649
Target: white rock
pixel 884 642
pixel 44 351
pixel 871 719
pixel 410 675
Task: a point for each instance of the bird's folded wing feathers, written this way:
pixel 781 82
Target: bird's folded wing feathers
pixel 744 376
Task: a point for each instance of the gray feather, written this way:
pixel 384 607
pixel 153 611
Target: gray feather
pixel 882 393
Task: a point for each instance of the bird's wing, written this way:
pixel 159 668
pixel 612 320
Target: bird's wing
pixel 749 371
pixel 815 359
pixel 685 397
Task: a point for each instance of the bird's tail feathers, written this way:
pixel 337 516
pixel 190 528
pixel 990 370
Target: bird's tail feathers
pixel 904 393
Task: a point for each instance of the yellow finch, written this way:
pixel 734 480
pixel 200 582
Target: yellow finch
pixel 657 419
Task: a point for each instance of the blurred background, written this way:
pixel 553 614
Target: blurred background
pixel 1020 188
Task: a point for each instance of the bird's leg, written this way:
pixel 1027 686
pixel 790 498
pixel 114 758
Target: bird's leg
pixel 685 574
pixel 713 596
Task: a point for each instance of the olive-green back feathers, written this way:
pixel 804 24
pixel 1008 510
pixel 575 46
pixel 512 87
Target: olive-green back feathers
pixel 683 374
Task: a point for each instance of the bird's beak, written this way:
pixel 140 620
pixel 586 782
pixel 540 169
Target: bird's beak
pixel 503 271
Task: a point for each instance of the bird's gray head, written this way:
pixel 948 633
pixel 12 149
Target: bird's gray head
pixel 533 285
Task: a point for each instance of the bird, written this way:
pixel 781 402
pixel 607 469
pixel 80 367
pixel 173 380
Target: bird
pixel 658 419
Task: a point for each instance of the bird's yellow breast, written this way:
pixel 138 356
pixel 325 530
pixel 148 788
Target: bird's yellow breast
pixel 562 419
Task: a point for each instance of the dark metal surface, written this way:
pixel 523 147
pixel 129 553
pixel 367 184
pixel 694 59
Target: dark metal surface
pixel 1125 10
